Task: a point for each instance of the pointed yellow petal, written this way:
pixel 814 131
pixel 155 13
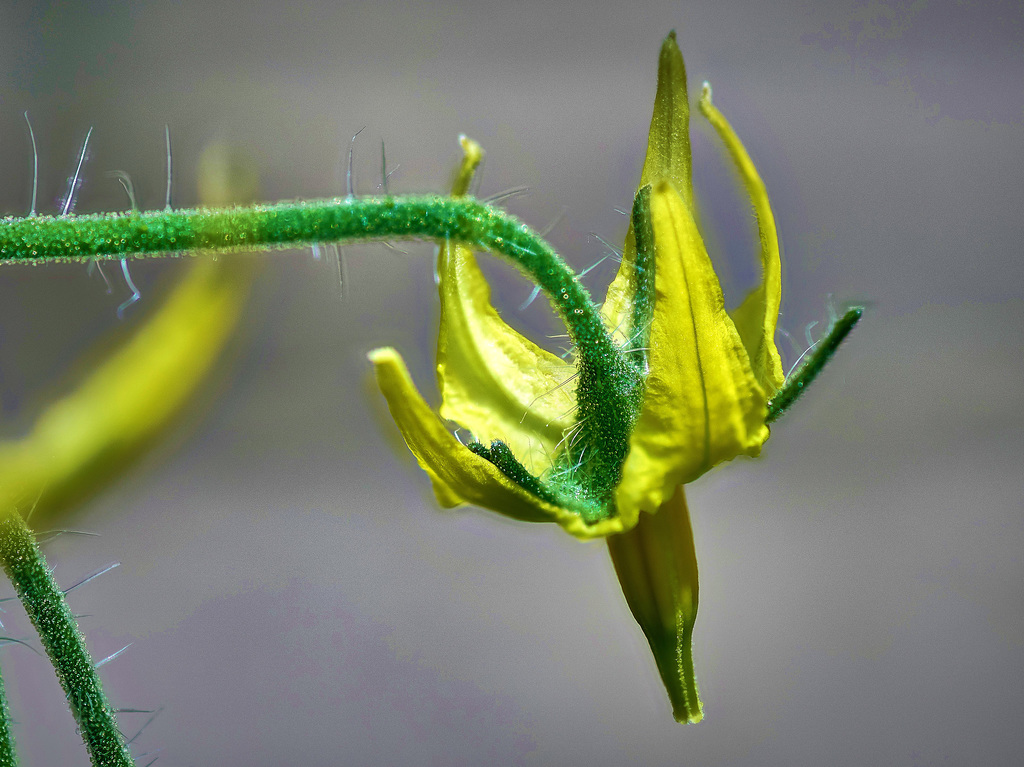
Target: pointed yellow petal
pixel 756 317
pixel 458 474
pixel 657 568
pixel 702 404
pixel 668 142
pixel 668 156
pixel 493 381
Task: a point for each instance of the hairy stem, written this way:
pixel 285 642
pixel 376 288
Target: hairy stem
pixel 44 602
pixel 609 388
pixel 8 756
pixel 816 359
pixel 293 224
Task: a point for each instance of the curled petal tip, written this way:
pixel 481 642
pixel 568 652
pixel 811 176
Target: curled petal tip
pixel 472 155
pixel 379 354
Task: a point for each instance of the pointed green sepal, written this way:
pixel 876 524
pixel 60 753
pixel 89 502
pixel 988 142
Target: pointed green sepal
pixel 657 567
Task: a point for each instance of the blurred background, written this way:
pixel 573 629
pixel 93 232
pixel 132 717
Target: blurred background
pixel 292 593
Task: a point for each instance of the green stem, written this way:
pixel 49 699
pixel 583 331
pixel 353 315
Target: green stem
pixel 8 756
pixel 816 359
pixel 44 602
pixel 295 224
pixel 609 387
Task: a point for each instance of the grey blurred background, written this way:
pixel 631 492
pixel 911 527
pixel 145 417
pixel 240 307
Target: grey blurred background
pixel 291 590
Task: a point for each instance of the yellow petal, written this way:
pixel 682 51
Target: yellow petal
pixel 702 404
pixel 657 568
pixel 616 311
pixel 458 474
pixel 668 156
pixel 493 381
pixel 756 317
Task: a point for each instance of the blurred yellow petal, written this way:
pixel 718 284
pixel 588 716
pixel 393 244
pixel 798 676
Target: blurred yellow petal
pixel 702 404
pixel 657 567
pixel 668 156
pixel 493 381
pixel 458 474
pixel 756 317
pixel 226 176
pixel 85 438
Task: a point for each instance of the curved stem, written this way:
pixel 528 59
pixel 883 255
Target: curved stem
pixel 44 602
pixel 293 224
pixel 609 388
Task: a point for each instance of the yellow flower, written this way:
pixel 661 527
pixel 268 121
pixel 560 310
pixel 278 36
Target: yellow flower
pixel 707 375
pixel 687 388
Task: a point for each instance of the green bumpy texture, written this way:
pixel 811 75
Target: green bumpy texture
pixel 798 380
pixel 295 224
pixel 610 386
pixel 8 756
pixel 44 602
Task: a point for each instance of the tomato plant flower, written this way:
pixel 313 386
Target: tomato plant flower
pixel 671 386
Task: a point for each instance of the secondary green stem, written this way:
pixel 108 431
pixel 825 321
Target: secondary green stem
pixel 8 756
pixel 44 602
pixel 816 358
